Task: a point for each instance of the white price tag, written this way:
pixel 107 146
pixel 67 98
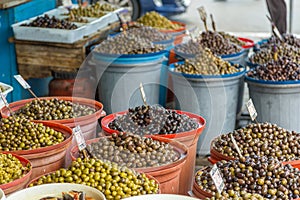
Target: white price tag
pixel 217 178
pixel 251 109
pixel 3 99
pixel 79 138
pixel 124 16
pixel 22 82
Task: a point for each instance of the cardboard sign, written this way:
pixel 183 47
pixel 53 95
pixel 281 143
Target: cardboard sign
pixel 79 138
pixel 217 178
pixel 22 82
pixel 251 109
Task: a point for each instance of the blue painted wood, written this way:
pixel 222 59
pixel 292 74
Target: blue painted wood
pixel 8 64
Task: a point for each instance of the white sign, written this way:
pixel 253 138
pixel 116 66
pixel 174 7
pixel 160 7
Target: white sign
pixel 217 178
pixel 22 82
pixel 251 109
pixel 3 99
pixel 79 138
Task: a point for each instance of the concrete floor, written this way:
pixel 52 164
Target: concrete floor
pixel 246 16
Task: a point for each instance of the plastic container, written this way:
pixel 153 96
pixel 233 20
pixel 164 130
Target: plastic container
pixel 214 97
pixel 167 175
pixel 7 90
pixel 17 184
pixel 120 77
pixel 2 195
pixel 55 189
pixel 178 34
pixel 48 158
pixel 87 123
pixel 161 197
pixel 276 102
pixel 189 138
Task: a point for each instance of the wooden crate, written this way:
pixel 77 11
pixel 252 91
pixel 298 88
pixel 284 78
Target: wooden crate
pixel 39 59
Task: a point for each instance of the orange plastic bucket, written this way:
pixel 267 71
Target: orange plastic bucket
pixel 20 183
pixel 189 138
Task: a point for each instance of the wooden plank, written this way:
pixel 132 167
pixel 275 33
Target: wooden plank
pixel 4 4
pixel 55 62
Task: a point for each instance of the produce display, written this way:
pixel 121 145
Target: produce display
pixel 274 52
pixel 114 182
pixel 149 33
pixel 155 20
pixel 287 38
pixel 232 38
pixel 11 168
pixel 191 47
pixel 127 44
pixel 217 44
pixel 237 196
pixel 21 134
pixel 53 109
pixel 206 63
pixel 95 10
pixel 282 70
pixel 71 195
pixel 256 175
pixel 143 120
pixel 51 22
pixel 76 19
pixel 264 139
pixel 133 151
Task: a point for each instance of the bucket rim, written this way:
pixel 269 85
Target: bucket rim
pixel 117 56
pixel 267 82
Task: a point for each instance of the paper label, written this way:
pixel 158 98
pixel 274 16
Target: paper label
pixel 217 178
pixel 124 16
pixel 251 109
pixel 79 138
pixel 3 98
pixel 22 82
pixel 202 12
pixel 143 93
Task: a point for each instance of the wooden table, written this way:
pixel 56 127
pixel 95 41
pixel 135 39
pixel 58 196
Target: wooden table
pixel 39 59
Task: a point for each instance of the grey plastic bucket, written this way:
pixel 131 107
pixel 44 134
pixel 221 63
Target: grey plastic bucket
pixel 120 78
pixel 213 97
pixel 276 102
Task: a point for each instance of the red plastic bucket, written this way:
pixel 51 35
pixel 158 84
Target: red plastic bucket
pixel 198 192
pixel 47 159
pixel 20 183
pixel 249 43
pixel 189 138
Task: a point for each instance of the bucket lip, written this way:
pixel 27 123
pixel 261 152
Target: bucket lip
pixel 89 102
pixel 199 76
pixel 196 187
pixel 267 82
pixel 58 127
pixel 202 123
pixel 21 180
pixel 181 29
pixel 249 43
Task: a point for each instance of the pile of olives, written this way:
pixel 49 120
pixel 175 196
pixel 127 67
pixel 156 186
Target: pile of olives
pixel 149 33
pixel 127 44
pixel 77 19
pixel 282 70
pixel 262 139
pixel 261 175
pixel 95 10
pixel 206 63
pixel 51 22
pixel 237 196
pixel 287 38
pixel 275 52
pixel 232 38
pixel 133 151
pixel 217 44
pixel 155 20
pixel 11 168
pixel 114 182
pixel 53 109
pixel 145 120
pixel 191 47
pixel 21 134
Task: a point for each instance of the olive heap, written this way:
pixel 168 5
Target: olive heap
pixel 153 120
pixel 190 47
pixel 95 10
pixel 133 151
pixel 217 43
pixel 261 175
pixel 11 168
pixel 262 139
pixel 77 19
pixel 21 134
pixel 51 22
pixel 206 63
pixel 155 20
pixel 287 38
pixel 113 181
pixel 232 38
pixel 237 196
pixel 282 70
pixel 149 33
pixel 272 53
pixel 53 109
pixel 127 44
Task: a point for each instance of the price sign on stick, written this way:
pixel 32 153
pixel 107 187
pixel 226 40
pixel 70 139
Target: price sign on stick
pixel 25 85
pixel 6 104
pixel 143 93
pixel 79 138
pixel 203 16
pixel 251 110
pixel 217 178
pixel 236 146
